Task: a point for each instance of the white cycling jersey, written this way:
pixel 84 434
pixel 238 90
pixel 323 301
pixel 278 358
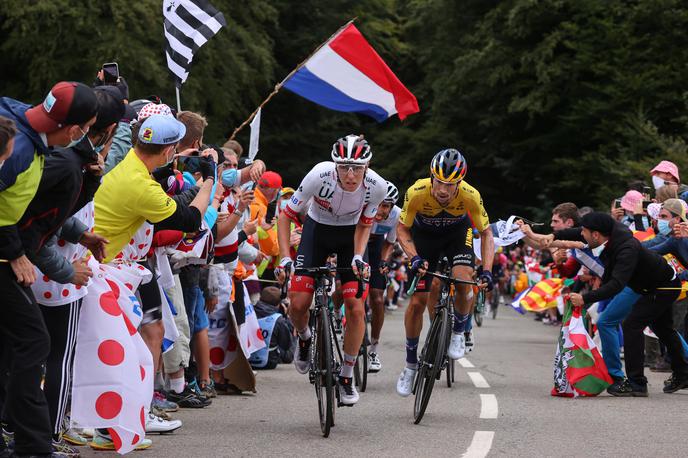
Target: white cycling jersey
pixel 387 227
pixel 333 206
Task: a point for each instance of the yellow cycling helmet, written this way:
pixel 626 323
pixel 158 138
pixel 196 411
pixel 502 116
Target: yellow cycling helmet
pixel 449 166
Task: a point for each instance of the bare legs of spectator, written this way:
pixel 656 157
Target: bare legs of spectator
pixel 152 334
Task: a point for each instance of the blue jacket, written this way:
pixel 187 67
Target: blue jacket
pixel 19 177
pixel 677 247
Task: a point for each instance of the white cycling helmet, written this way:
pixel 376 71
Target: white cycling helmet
pixel 392 193
pixel 352 149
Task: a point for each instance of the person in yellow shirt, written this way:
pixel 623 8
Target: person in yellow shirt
pixel 129 196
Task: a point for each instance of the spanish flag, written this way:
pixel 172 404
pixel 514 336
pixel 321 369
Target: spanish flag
pixel 644 236
pixel 543 295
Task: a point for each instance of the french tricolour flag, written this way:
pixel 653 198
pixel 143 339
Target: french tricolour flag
pixel 346 74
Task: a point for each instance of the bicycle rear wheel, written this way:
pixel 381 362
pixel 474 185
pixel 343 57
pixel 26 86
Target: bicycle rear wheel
pixel 324 379
pixel 430 365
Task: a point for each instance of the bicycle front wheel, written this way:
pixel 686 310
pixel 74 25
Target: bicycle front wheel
pixel 430 364
pixel 324 378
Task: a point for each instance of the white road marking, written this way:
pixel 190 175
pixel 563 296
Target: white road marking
pixel 488 406
pixel 465 363
pixel 478 380
pixel 480 445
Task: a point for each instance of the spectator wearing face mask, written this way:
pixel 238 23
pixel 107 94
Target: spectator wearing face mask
pixel 664 173
pixel 63 119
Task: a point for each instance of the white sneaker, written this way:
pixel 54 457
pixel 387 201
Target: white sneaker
pixel 374 364
pixel 470 341
pixel 392 307
pixel 156 424
pixel 347 391
pixel 457 346
pixel 405 382
pixel 302 357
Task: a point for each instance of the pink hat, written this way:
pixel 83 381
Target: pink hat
pixel 667 167
pixel 630 200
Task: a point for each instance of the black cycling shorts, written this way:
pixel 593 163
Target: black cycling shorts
pixel 374 256
pixel 151 301
pixel 318 241
pixel 456 245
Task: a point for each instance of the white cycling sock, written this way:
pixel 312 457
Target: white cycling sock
pixel 177 384
pixel 373 346
pixel 348 366
pixel 305 334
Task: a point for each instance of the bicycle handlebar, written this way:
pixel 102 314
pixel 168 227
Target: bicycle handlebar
pixel 455 281
pixel 326 270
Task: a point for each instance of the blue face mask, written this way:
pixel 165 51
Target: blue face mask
pixel 229 178
pixel 663 226
pixel 73 143
pixel 283 204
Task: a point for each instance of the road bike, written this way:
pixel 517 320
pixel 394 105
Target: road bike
pixel 433 358
pixel 325 360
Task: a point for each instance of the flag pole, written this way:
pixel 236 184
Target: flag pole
pixel 281 83
pixel 179 103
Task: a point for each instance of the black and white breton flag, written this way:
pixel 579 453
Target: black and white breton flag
pixel 188 25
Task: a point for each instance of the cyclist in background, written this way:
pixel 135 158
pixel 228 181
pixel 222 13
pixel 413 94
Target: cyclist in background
pixel 380 246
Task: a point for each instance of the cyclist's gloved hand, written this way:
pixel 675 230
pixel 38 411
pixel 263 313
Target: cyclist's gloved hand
pixel 360 267
pixel 207 168
pixel 286 265
pixel 416 263
pixel 486 277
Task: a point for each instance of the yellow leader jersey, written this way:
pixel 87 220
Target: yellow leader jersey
pixel 422 211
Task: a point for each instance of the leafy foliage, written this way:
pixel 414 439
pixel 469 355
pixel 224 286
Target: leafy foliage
pixel 550 100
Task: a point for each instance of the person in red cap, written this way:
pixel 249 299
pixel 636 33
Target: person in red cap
pixel 267 190
pixel 63 119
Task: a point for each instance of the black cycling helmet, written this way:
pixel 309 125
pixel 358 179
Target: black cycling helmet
pixel 449 166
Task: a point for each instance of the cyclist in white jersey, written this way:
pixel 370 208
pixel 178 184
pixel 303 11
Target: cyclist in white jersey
pixel 344 196
pixel 382 239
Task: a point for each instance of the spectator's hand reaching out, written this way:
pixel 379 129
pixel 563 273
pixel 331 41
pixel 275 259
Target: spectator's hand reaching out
pixel 680 230
pixel 257 170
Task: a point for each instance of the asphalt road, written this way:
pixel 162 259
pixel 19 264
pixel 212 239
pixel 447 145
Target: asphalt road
pixel 499 407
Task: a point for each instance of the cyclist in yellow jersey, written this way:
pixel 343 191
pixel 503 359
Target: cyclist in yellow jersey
pixel 437 220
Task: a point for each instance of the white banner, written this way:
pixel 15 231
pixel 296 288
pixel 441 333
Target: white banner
pixel 255 136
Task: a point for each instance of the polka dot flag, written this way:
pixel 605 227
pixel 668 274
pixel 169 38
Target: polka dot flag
pixel 222 335
pixel 113 368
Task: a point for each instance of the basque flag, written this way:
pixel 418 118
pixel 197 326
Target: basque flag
pixel 346 74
